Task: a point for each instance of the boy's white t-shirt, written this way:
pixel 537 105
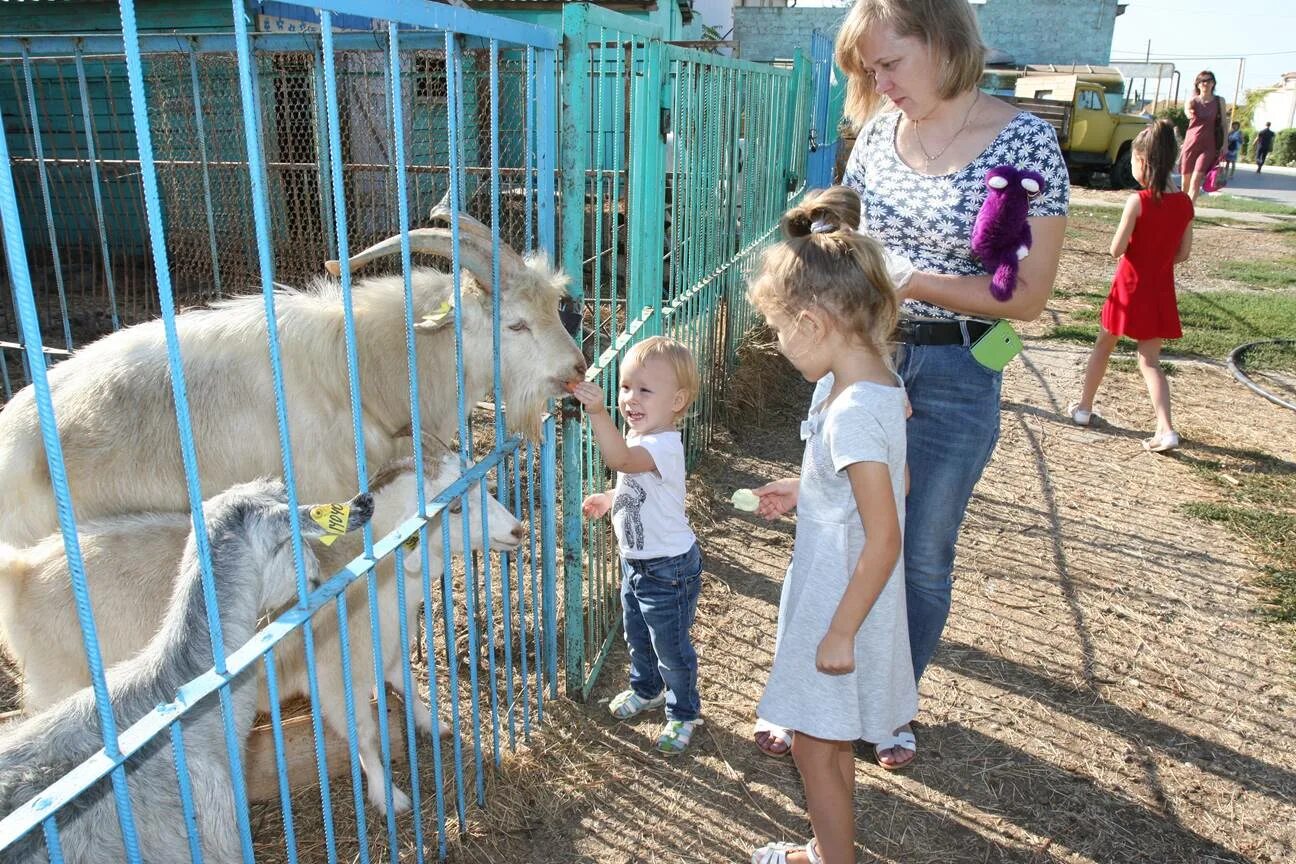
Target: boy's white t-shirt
pixel 648 509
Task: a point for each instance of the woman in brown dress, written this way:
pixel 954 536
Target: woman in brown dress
pixel 1205 139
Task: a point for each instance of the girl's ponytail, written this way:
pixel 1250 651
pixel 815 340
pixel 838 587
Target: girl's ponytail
pixel 824 261
pixel 1159 149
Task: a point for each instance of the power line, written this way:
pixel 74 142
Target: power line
pixel 1136 54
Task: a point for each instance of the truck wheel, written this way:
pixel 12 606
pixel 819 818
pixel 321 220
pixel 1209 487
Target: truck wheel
pixel 1122 171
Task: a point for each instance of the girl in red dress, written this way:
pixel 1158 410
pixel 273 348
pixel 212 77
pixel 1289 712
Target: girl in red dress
pixel 1155 234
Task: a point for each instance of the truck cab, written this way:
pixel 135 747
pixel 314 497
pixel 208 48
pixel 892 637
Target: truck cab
pixel 1093 138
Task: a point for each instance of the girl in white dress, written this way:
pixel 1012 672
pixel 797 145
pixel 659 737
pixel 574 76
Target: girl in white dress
pixel 842 668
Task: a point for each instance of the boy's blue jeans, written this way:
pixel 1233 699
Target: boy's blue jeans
pixel 951 437
pixel 659 599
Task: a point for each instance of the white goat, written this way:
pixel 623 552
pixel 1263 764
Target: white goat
pixel 112 398
pixel 252 565
pixel 131 561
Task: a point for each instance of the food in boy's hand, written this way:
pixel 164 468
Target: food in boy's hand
pixel 745 499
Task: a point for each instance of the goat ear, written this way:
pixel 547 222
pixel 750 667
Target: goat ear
pixel 436 319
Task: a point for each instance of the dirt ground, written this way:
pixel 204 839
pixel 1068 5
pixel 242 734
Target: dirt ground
pixel 1106 690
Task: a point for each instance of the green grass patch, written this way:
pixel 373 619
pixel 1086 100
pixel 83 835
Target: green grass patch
pixel 1247 205
pixel 1275 534
pixel 1108 215
pixel 1271 358
pixel 1214 323
pixel 1259 274
pixel 1260 490
pixel 1130 364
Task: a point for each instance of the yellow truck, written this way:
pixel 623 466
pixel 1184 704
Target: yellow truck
pixel 1093 137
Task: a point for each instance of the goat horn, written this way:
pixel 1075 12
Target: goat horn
pixel 477 232
pixel 433 241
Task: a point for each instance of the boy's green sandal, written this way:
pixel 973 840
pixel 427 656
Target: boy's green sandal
pixel 628 703
pixel 676 735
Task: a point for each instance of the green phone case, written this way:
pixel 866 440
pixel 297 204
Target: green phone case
pixel 997 346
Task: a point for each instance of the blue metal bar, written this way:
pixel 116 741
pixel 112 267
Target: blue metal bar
pixel 411 693
pixel 454 88
pixel 548 546
pixel 535 604
pixel 391 78
pixel 438 780
pixel 321 148
pixel 281 764
pixel 357 431
pixel 447 584
pixel 52 844
pixel 261 218
pixel 26 817
pixel 157 237
pixel 91 158
pixel 499 405
pixel 546 147
pixel 200 126
pixel 39 152
pixel 186 793
pixel 528 136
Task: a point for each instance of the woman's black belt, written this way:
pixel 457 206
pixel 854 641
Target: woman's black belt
pixel 960 332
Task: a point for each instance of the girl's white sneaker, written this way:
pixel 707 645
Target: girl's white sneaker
pixel 1162 443
pixel 1079 417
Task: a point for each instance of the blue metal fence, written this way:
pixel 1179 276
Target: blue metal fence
pixel 226 139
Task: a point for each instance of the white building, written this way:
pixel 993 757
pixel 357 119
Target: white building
pixel 1279 106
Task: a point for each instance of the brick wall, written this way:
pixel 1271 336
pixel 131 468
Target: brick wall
pixel 1029 31
pixel 767 33
pixel 1049 31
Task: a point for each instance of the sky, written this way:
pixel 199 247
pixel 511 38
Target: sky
pixel 1210 34
pixel 1202 34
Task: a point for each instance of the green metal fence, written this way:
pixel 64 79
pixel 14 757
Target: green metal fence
pixel 685 161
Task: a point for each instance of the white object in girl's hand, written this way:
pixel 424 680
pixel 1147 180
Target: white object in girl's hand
pixel 745 499
pixel 899 268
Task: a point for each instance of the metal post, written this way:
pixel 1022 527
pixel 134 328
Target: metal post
pixel 575 160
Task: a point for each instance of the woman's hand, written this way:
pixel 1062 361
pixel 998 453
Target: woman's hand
pixel 778 497
pixel 836 654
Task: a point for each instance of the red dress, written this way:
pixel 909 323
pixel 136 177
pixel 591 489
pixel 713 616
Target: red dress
pixel 1142 304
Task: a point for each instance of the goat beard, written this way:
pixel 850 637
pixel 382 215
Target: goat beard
pixel 526 407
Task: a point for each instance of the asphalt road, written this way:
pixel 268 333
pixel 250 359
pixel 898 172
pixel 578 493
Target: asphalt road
pixel 1272 184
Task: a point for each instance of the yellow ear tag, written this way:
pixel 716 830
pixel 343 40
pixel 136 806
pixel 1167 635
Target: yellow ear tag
pixel 439 314
pixel 333 518
pixel 411 544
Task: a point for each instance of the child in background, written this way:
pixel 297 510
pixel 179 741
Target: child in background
pixel 661 565
pixel 842 668
pixel 1155 234
pixel 1231 152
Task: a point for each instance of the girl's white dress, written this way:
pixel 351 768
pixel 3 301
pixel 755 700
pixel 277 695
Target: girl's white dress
pixel 865 423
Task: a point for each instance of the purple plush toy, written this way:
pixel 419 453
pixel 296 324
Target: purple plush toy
pixel 1001 236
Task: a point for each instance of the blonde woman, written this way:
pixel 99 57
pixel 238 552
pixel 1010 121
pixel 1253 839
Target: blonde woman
pixel 928 136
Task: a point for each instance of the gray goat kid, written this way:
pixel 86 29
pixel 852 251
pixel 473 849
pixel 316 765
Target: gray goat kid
pixel 131 563
pixel 252 565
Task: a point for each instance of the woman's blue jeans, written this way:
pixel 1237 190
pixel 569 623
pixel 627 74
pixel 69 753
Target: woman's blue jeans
pixel 951 435
pixel 659 598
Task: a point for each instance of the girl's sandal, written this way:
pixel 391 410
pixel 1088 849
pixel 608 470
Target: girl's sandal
pixel 772 740
pixel 777 853
pixel 676 735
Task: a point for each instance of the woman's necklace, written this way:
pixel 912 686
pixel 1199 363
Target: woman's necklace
pixel 930 157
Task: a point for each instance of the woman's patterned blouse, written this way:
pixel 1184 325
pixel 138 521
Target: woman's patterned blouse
pixel 929 219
